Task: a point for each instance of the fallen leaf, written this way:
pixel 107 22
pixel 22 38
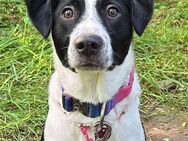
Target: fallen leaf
pixel 185 49
pixel 166 139
pixel 184 124
pixel 156 131
pixel 167 85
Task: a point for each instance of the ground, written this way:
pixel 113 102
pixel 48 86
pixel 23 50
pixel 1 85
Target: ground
pixel 161 61
pixel 166 125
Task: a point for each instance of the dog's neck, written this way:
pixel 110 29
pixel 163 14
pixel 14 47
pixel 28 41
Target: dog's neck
pixel 91 86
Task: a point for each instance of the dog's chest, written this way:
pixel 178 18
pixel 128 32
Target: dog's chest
pixel 64 126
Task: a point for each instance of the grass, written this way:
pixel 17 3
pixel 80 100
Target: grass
pixel 26 66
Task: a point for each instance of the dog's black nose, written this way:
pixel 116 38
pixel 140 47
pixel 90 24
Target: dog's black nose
pixel 89 44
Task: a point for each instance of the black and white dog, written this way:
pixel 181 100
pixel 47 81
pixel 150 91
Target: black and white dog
pixel 94 91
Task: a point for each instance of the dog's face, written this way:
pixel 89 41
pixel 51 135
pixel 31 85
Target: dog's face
pixel 90 34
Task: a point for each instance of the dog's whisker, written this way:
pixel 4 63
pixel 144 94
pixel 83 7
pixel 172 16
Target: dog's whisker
pixel 65 59
pixel 111 32
pixel 64 48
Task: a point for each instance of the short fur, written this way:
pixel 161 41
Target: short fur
pixel 92 76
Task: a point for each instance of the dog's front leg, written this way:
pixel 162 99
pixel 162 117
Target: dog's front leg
pixel 132 129
pixel 54 128
pixel 57 128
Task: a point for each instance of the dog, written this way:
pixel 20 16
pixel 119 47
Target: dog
pixel 94 91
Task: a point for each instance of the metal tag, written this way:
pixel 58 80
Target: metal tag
pixel 102 132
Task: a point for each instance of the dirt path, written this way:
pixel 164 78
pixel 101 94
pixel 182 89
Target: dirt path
pixel 166 125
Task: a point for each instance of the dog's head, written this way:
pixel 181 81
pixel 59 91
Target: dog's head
pixel 90 34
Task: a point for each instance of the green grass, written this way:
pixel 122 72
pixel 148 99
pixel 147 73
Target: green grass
pixel 26 65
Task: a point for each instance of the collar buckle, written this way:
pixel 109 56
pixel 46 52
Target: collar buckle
pixel 71 104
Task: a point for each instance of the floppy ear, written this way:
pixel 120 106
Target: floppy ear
pixel 40 13
pixel 142 11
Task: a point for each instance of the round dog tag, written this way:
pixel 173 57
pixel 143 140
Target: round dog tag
pixel 102 132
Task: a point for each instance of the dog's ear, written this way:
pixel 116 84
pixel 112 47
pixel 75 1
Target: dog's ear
pixel 142 11
pixel 40 13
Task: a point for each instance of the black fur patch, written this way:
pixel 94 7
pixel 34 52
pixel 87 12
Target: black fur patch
pixel 61 30
pixel 119 29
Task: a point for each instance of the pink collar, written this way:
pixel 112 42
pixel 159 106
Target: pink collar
pixel 123 92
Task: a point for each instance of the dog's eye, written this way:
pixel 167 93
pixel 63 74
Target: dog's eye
pixel 112 11
pixel 68 13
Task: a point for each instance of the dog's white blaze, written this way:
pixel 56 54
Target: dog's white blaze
pixel 91 25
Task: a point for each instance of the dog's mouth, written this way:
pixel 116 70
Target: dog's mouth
pixel 88 63
pixel 93 67
pixel 89 66
pixel 92 63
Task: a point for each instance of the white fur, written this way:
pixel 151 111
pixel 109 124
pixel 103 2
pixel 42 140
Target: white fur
pixel 93 87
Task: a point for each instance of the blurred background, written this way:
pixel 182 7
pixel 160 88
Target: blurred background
pixel 161 62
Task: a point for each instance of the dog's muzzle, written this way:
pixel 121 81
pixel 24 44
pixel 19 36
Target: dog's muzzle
pixel 87 53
